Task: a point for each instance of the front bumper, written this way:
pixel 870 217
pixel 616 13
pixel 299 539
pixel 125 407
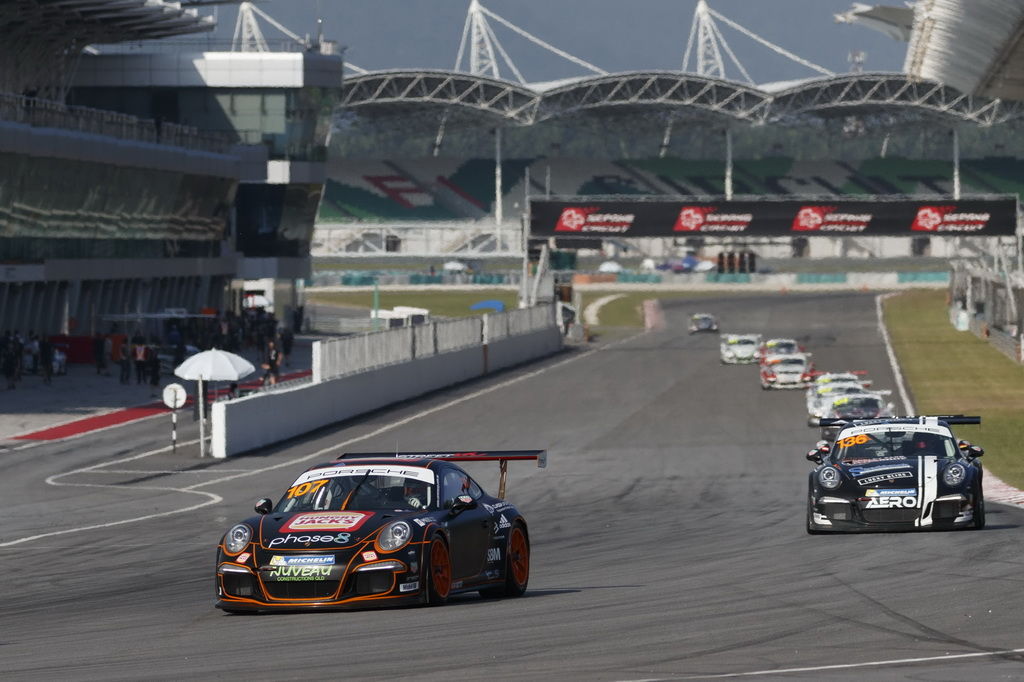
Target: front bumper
pixel 389 580
pixel 738 360
pixel 784 384
pixel 844 515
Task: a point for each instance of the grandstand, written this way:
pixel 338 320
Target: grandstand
pixel 138 175
pixel 418 151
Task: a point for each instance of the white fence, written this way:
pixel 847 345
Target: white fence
pixel 354 354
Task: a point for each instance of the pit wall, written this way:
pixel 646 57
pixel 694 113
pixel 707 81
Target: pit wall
pixel 266 418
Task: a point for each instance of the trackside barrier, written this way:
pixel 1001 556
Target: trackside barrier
pixel 396 365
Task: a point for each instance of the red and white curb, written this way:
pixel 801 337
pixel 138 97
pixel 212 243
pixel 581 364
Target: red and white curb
pixel 654 317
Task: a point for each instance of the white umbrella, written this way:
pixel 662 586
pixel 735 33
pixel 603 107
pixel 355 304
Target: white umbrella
pixel 212 365
pixel 609 266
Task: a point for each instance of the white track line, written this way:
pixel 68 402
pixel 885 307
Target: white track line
pixel 847 666
pixel 908 407
pixel 592 312
pixel 996 490
pixel 214 499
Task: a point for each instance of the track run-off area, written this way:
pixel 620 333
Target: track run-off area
pixel 667 535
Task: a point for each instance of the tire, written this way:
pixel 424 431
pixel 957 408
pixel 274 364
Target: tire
pixel 437 573
pixel 811 530
pixel 517 566
pixel 979 514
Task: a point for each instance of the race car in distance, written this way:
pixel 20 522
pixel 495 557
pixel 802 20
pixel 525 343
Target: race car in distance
pixel 739 349
pixel 786 371
pixel 855 406
pixel 779 347
pixel 703 322
pixel 896 474
pixel 821 396
pixel 378 529
pixel 822 378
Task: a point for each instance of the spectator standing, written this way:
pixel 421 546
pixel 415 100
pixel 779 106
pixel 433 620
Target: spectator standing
pixel 10 367
pixel 287 341
pixel 108 354
pixel 46 359
pixel 98 348
pixel 32 350
pixel 125 361
pixel 153 362
pixel 139 356
pixel 272 365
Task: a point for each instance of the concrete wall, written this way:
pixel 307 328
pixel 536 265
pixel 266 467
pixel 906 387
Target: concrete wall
pixel 266 418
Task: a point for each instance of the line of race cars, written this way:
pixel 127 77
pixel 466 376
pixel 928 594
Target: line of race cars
pixel 873 471
pixel 389 529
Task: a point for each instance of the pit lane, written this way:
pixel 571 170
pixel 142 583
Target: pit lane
pixel 668 537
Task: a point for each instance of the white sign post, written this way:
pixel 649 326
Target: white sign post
pixel 174 398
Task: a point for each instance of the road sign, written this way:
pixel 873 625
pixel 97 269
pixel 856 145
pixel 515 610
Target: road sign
pixel 174 396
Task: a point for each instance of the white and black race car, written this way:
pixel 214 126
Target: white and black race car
pixel 896 474
pixel 739 349
pixel 702 322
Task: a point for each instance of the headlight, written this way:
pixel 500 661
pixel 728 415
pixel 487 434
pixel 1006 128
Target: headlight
pixel 954 474
pixel 829 478
pixel 394 536
pixel 237 538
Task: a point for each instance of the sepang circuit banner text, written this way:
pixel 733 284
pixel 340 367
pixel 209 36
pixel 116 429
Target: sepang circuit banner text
pixel 583 218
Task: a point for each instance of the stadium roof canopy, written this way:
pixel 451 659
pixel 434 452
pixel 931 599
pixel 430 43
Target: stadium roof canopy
pixel 975 46
pixel 40 39
pixel 672 93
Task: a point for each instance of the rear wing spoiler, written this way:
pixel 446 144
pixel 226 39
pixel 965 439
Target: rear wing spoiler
pixel 948 418
pixel 503 457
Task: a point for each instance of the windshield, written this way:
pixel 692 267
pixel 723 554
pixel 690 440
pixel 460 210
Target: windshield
pixel 892 444
pixel 363 488
pixel 782 347
pixel 787 362
pixel 829 390
pixel 742 342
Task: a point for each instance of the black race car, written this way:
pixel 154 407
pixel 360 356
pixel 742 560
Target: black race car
pixel 378 529
pixel 895 474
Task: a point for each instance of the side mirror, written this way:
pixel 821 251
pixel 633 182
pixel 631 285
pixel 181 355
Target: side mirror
pixel 461 504
pixel 264 506
pixel 975 451
pixel 814 456
pixel 963 444
pixel 822 445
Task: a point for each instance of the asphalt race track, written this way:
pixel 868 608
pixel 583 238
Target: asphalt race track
pixel 668 538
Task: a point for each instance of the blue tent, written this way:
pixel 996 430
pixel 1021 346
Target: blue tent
pixel 492 304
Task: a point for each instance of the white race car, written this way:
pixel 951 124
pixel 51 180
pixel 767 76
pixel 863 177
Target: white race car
pixel 823 378
pixel 794 370
pixel 779 347
pixel 820 396
pixel 739 349
pixel 855 406
pixel 703 322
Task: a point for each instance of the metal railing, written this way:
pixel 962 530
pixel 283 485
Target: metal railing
pixel 43 113
pixel 361 352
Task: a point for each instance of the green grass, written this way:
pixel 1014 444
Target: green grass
pixel 951 372
pixel 439 303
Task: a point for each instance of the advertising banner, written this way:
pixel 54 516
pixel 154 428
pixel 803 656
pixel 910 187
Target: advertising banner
pixel 582 218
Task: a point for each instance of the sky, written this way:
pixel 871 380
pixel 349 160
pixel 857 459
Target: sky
pixel 615 35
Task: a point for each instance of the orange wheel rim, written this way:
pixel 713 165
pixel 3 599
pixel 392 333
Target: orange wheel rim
pixel 519 555
pixel 440 569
